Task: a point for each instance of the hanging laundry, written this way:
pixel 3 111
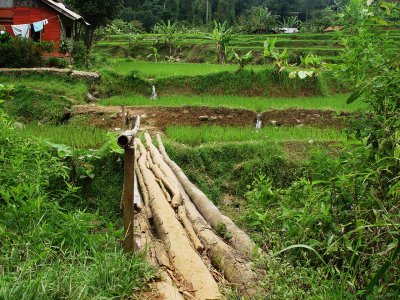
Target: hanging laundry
pixel 38 26
pixel 21 30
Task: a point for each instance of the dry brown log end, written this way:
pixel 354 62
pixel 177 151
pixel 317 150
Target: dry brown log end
pixel 166 291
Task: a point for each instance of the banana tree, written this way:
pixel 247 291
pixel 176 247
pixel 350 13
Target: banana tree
pixel 222 35
pixel 171 35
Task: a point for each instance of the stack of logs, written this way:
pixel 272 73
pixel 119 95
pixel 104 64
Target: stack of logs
pixel 185 242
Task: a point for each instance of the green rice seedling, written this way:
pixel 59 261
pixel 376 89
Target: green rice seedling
pixel 167 69
pixel 335 102
pixel 219 134
pixel 77 137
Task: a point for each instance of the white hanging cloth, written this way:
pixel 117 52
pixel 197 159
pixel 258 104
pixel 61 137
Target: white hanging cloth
pixel 21 30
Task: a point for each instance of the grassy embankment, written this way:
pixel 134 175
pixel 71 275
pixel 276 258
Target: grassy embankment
pixel 216 134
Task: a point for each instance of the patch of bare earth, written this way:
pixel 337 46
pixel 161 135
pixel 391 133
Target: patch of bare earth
pixel 162 117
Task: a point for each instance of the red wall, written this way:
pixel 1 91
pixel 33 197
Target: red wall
pixel 29 15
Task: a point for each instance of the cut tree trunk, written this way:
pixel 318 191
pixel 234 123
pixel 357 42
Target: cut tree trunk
pixel 237 269
pixel 184 258
pixel 176 199
pixel 165 169
pixel 189 229
pixel 219 222
pixel 144 191
pixel 156 256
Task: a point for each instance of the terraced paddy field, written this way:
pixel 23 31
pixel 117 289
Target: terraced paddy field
pixel 335 102
pixel 169 69
pixel 200 47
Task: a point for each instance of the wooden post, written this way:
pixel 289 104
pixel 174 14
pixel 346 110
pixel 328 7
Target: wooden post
pixel 128 198
pixel 123 116
pixel 125 140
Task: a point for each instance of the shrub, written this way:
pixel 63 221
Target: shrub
pixel 5 38
pixel 48 251
pixel 17 53
pixel 56 62
pixel 31 105
pixel 79 53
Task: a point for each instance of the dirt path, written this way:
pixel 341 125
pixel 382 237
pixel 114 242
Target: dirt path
pixel 162 117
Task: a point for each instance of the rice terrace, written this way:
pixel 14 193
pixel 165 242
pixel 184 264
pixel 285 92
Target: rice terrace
pixel 199 149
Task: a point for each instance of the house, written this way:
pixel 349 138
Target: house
pixel 58 22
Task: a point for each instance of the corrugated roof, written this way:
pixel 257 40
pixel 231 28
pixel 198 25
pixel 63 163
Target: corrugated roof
pixel 61 8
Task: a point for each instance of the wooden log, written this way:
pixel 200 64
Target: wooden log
pixel 237 268
pixel 166 194
pixel 144 192
pixel 128 195
pixel 159 161
pixel 184 258
pixel 176 199
pixel 189 229
pixel 239 239
pixel 167 291
pixel 156 256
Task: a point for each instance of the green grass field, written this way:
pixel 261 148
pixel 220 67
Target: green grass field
pixel 218 134
pixel 71 88
pixel 334 102
pixel 77 137
pixel 167 69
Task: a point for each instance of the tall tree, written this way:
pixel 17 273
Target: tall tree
pixel 97 13
pixel 226 11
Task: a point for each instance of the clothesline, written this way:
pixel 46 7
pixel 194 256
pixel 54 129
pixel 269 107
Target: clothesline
pixel 23 30
pixel 57 16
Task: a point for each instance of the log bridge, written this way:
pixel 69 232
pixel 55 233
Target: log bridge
pixel 178 227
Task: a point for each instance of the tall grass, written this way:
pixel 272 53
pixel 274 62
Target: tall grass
pixel 77 137
pixel 54 244
pixel 50 84
pixel 216 134
pixel 334 102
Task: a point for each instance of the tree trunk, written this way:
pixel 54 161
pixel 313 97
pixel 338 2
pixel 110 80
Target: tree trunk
pixel 189 229
pixel 89 37
pixel 156 256
pixel 144 191
pixel 238 239
pixel 186 261
pixel 237 269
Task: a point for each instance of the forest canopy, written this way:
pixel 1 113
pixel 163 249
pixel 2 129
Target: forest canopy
pixel 199 12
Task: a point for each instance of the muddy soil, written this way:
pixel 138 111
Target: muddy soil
pixel 160 118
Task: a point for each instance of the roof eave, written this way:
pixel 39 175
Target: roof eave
pixel 65 12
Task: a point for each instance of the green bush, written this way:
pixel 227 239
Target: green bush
pixel 4 38
pixel 31 105
pixel 52 251
pixel 339 214
pixel 56 62
pixel 232 166
pixel 19 53
pixel 79 53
